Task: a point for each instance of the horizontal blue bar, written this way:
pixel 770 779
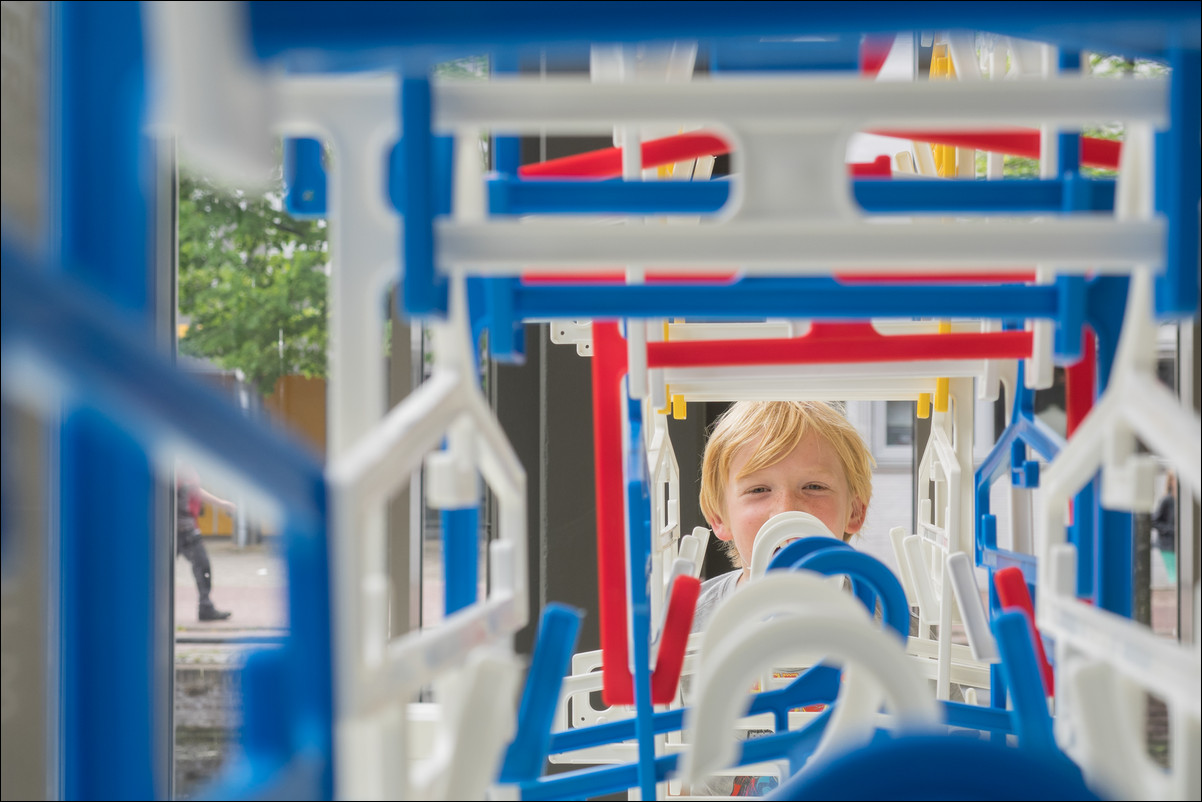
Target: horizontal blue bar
pixel 997 559
pixel 387 32
pixel 743 55
pixel 590 783
pixel 512 196
pixel 611 732
pixel 813 298
pixel 982 197
pixel 976 717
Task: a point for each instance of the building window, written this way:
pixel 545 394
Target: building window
pixel 899 423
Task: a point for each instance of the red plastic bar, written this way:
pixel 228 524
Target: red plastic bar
pixel 830 343
pixel 1018 142
pixel 682 604
pixel 607 162
pixel 1013 594
pixel 874 49
pixel 617 687
pixel 825 343
pixel 609 365
pixel 1016 276
pixel 1080 383
pixel 617 275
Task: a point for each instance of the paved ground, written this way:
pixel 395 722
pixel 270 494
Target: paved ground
pixel 250 583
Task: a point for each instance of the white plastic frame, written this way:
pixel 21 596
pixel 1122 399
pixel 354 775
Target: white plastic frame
pixel 1097 650
pixel 830 626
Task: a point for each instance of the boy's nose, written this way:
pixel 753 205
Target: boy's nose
pixel 789 502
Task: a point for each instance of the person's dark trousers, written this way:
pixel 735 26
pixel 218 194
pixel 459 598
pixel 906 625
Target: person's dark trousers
pixel 191 545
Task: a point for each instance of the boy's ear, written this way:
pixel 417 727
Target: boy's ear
pixel 719 528
pixel 859 511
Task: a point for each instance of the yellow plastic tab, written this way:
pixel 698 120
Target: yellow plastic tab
pixel 942 385
pixel 924 405
pixel 668 406
pixel 942 68
pixel 678 407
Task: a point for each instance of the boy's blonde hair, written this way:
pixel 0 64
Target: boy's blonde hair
pixel 779 426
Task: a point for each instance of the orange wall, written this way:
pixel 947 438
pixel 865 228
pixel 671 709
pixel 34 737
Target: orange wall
pixel 300 405
pixel 214 522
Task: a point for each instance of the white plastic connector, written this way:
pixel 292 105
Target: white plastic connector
pixel 972 611
pixel 1130 485
pixel 876 668
pixel 897 536
pixel 690 547
pixel 451 483
pixel 779 530
pixel 210 94
pixel 573 332
pixel 989 387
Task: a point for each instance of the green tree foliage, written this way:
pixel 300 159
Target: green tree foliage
pixel 1100 65
pixel 252 283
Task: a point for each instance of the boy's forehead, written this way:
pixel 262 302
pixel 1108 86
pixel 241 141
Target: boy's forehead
pixel 822 455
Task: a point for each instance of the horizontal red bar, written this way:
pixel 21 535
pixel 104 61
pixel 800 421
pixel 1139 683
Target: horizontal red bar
pixel 825 345
pixel 1018 142
pixel 619 277
pixel 607 162
pixel 990 277
pixel 616 276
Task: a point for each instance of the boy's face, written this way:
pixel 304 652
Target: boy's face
pixel 809 479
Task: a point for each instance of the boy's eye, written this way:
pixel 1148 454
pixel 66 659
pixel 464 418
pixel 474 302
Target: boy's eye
pixel 815 486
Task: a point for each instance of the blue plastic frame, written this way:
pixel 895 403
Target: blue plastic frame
pixel 100 209
pixel 130 392
pixel 331 36
pixel 1029 721
pixel 125 398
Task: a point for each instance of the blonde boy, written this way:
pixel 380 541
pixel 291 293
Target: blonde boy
pixel 764 458
pixel 767 457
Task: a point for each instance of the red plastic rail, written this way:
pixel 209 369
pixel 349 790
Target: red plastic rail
pixel 682 604
pixel 609 365
pixel 617 685
pixel 607 162
pixel 1080 383
pixel 617 275
pixel 874 49
pixel 829 343
pixel 1013 594
pixel 1015 276
pixel 825 343
pixel 1017 142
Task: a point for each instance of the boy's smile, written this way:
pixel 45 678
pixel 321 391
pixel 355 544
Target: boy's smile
pixel 809 479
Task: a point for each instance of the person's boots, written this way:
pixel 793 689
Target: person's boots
pixel 207 612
